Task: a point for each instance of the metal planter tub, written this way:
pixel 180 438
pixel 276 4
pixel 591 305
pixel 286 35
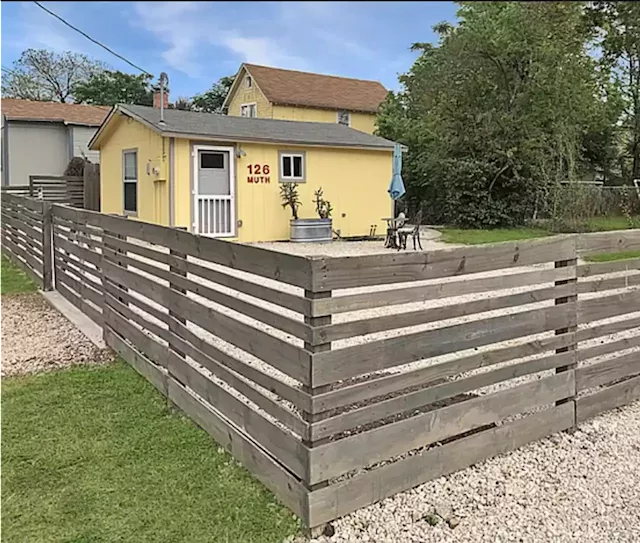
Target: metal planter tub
pixel 311 230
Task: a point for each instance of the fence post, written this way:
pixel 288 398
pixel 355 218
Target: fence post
pixel 315 347
pixel 47 246
pixel 572 262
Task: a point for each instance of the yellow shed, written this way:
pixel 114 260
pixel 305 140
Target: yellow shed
pixel 220 176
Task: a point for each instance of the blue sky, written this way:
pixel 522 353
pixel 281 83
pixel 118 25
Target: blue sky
pixel 196 43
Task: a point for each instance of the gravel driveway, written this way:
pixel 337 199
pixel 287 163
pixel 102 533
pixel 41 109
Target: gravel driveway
pixel 581 487
pixel 36 337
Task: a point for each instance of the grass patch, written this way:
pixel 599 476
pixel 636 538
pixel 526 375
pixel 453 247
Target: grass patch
pixel 94 455
pixel 605 224
pixel 477 237
pixel 13 280
pixel 609 257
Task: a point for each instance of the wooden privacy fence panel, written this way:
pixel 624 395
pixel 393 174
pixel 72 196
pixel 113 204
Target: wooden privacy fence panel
pixel 341 381
pixel 26 236
pixel 62 189
pixel 608 370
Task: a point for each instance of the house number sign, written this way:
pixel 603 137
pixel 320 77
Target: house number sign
pixel 258 173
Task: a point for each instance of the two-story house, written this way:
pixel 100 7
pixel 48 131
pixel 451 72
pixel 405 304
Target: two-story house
pixel 273 93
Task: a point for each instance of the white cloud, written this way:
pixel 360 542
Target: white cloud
pixel 262 51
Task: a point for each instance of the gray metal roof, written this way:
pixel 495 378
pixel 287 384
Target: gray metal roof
pixel 230 128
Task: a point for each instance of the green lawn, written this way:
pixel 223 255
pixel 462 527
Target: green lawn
pixel 476 237
pixel 13 280
pixel 94 455
pixel 608 257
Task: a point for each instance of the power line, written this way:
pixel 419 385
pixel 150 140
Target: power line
pixel 90 38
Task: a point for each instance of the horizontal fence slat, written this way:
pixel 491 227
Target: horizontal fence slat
pixel 23 224
pixel 83 306
pixel 414 400
pixel 336 500
pixel 600 330
pixel 294 327
pixel 233 379
pixel 274 265
pixel 610 283
pixel 34 246
pixel 357 451
pixel 156 375
pixel 468 285
pixel 79 267
pixel 396 382
pixel 286 448
pixel 360 271
pixel 29 203
pixel 608 242
pixel 603 307
pixel 88 290
pixel 348 329
pixel 81 252
pixel 275 477
pixel 377 355
pixel 607 398
pixel 599 268
pixel 609 347
pixel 284 356
pixel 29 263
pixel 602 373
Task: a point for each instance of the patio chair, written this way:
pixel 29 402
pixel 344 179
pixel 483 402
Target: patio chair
pixel 412 230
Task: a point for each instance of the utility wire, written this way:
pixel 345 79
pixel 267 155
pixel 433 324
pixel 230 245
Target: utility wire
pixel 90 38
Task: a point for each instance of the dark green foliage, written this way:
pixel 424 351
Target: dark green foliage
pixel 108 88
pixel 508 104
pixel 212 100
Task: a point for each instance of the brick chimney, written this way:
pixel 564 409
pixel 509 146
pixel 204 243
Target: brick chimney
pixel 156 99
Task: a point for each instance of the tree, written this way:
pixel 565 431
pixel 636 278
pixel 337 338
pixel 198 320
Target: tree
pixel 183 103
pixel 212 100
pixel 47 76
pixel 108 88
pixel 497 110
pixel 618 24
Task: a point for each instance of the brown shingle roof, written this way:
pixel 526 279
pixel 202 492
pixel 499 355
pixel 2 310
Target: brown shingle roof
pixel 290 87
pixel 15 108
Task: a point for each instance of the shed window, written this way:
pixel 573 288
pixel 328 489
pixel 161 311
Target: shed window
pixel 292 166
pixel 130 181
pixel 344 117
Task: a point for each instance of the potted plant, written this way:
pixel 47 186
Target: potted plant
pixel 307 230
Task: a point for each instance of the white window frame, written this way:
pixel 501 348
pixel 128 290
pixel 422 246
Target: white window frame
pixel 348 117
pixel 130 181
pixel 249 82
pixel 291 178
pixel 248 105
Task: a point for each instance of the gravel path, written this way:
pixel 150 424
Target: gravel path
pixel 36 337
pixel 581 487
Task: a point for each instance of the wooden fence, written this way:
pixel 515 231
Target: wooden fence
pixel 340 381
pixel 62 189
pixel 26 236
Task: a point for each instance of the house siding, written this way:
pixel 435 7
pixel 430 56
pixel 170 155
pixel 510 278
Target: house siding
pixel 80 137
pixel 365 122
pixel 35 149
pixel 244 95
pixel 153 190
pixel 347 177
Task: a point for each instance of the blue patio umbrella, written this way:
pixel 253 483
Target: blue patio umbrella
pixel 396 188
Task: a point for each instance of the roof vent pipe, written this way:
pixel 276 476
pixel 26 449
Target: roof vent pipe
pixel 164 80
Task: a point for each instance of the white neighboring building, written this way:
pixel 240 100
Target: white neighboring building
pixel 40 138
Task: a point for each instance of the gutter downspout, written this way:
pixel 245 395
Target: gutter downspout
pixel 5 151
pixel 172 181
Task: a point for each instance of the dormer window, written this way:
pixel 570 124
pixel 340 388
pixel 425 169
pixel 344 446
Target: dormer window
pixel 249 81
pixel 344 117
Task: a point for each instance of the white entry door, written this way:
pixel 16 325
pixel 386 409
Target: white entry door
pixel 214 194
